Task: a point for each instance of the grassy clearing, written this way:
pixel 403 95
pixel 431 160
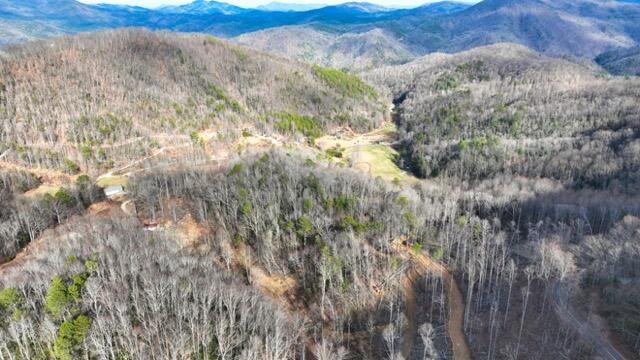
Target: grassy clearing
pixel 387 130
pixel 365 153
pixel 378 160
pixel 111 180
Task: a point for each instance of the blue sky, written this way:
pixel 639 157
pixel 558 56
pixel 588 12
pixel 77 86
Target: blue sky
pixel 251 3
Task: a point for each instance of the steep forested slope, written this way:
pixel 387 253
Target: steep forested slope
pixel 621 61
pixel 292 258
pixel 109 289
pixel 352 50
pixel 504 109
pixel 329 231
pixel 86 99
pixel 550 148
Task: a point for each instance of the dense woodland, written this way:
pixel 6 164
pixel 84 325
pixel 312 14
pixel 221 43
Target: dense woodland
pixel 331 230
pixel 525 198
pixel 107 299
pixel 504 110
pixel 23 218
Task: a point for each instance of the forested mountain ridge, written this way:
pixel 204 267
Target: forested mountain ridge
pixel 148 90
pixel 621 61
pixel 501 108
pixel 566 27
pixel 354 51
pixel 579 29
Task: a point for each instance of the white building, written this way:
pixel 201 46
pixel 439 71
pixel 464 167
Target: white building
pixel 113 191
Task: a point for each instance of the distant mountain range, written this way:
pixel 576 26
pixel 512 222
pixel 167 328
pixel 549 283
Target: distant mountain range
pixel 280 6
pixel 340 35
pixel 576 28
pixel 53 17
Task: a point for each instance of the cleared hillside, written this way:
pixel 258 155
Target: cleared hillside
pixel 101 99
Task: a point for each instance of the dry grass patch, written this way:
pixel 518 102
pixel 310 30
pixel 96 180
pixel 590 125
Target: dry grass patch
pixel 41 191
pixel 111 180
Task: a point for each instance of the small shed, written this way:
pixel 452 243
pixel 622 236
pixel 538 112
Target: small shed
pixel 113 191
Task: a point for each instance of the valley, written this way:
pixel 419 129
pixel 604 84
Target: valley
pixel 449 181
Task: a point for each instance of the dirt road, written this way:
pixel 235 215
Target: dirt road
pixel 411 311
pixel 589 334
pixel 455 325
pixel 455 300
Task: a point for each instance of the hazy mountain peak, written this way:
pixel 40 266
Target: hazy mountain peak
pixel 364 7
pixel 282 6
pixel 199 7
pixel 443 7
pixel 498 4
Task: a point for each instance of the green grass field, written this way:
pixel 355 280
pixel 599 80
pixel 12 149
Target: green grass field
pixel 378 160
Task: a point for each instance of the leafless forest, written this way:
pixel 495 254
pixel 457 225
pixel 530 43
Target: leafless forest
pixel 96 101
pixel 514 229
